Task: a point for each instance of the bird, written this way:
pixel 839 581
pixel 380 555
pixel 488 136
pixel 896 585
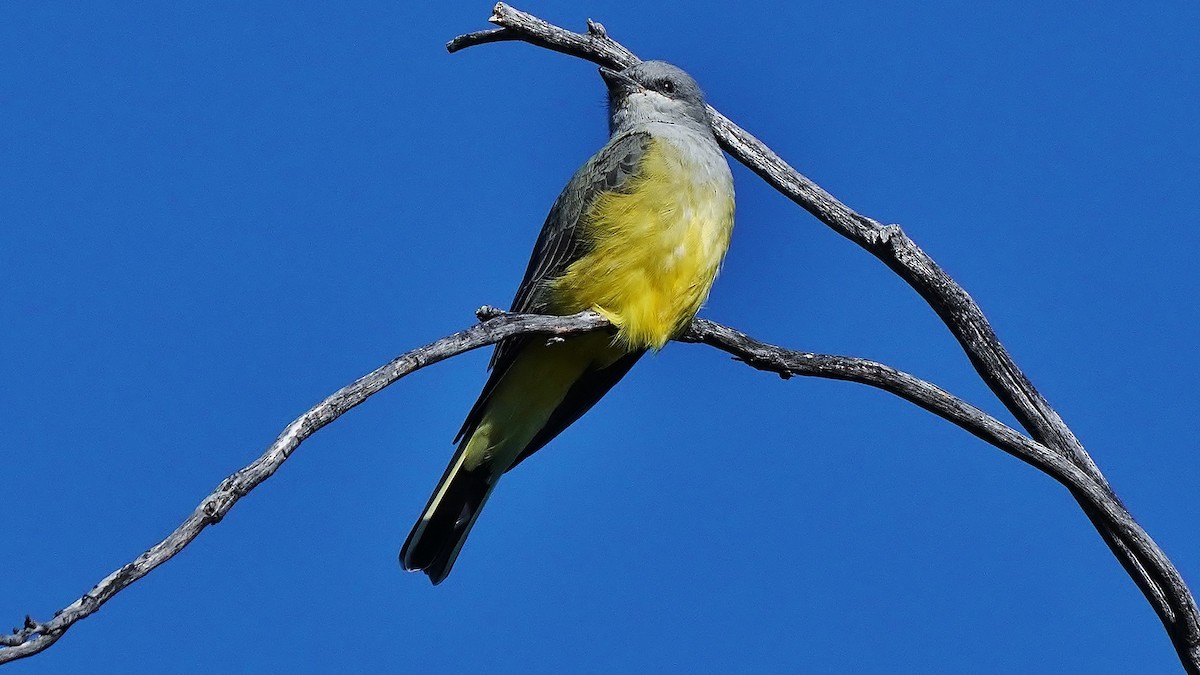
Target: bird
pixel 638 235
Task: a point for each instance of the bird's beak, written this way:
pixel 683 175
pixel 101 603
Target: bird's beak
pixel 618 82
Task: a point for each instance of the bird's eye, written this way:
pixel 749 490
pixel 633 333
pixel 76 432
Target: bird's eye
pixel 667 87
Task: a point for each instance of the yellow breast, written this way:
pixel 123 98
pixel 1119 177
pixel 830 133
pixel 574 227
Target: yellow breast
pixel 656 247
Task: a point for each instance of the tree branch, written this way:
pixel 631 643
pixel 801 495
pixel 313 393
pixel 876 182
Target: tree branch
pixel 1145 563
pixel 932 398
pixel 496 325
pixel 36 636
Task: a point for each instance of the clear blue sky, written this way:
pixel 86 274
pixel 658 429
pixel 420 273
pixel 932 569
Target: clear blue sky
pixel 214 214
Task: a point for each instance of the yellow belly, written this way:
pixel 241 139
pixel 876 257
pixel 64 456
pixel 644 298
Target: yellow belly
pixel 656 249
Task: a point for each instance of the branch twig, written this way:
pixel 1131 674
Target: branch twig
pixel 1145 563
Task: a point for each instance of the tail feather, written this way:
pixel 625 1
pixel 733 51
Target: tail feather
pixel 522 408
pixel 438 536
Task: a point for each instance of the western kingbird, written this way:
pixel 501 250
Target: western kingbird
pixel 637 235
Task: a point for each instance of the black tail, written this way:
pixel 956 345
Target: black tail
pixel 438 536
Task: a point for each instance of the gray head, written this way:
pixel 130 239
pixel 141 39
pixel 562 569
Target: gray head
pixel 653 91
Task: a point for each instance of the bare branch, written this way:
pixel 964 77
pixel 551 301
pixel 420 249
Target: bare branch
pixel 1154 574
pixel 35 636
pixel 788 363
pixel 595 45
pixel 496 325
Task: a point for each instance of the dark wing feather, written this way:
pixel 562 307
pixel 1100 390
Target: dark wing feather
pixel 561 243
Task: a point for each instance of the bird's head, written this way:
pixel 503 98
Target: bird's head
pixel 653 91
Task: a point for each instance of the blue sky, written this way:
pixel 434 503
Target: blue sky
pixel 214 214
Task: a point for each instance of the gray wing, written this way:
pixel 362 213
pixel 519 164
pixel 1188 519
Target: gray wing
pixel 561 242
